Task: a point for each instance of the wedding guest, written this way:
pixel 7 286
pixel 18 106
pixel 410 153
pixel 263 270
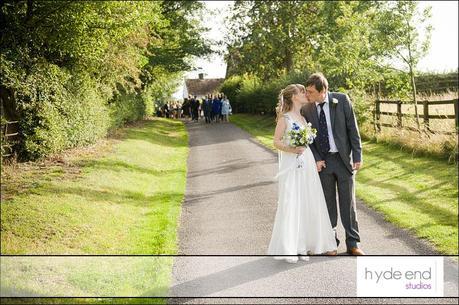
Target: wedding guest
pixel 216 108
pixel 207 107
pixel 177 109
pixel 158 112
pixel 186 107
pixel 226 108
pixel 172 110
pixel 165 110
pixel 194 109
pixel 211 98
pixel 201 108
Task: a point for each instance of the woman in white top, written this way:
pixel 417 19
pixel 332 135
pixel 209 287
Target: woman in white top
pixel 226 108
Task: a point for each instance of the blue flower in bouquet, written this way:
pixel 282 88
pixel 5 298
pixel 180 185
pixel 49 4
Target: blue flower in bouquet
pixel 302 136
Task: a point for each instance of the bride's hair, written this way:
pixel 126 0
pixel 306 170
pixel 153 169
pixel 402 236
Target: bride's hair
pixel 285 102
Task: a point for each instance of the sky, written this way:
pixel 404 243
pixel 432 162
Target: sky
pixel 442 56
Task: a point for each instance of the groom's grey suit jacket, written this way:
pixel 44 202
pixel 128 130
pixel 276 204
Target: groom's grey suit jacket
pixel 344 126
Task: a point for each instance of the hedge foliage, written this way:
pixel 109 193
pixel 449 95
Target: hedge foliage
pixel 71 71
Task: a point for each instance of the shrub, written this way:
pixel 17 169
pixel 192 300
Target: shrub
pixel 230 88
pixel 60 109
pixel 250 94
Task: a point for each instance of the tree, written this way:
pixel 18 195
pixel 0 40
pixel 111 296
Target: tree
pixel 73 70
pixel 339 38
pixel 173 46
pixel 403 23
pixel 265 37
pixel 352 42
pixel 345 45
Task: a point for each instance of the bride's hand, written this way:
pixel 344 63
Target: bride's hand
pixel 299 150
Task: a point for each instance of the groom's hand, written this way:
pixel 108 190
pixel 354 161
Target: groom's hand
pixel 320 165
pixel 357 166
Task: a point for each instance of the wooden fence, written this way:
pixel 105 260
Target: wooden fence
pixel 425 115
pixel 9 133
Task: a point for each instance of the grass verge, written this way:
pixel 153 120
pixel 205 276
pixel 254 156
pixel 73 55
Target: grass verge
pixel 123 198
pixel 415 193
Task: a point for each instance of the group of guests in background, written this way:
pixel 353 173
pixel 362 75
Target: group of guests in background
pixel 216 108
pixel 171 110
pixel 213 108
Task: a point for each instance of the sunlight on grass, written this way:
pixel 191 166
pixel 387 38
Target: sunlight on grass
pixel 85 276
pixel 416 193
pixel 125 202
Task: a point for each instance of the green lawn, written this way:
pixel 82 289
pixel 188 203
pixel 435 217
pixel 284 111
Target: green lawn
pixel 416 193
pixel 126 201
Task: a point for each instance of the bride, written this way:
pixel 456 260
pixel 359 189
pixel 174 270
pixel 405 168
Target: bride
pixel 302 226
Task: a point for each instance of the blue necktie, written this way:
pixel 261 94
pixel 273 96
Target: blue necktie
pixel 322 134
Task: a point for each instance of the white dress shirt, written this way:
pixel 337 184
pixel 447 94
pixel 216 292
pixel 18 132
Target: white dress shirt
pixel 326 108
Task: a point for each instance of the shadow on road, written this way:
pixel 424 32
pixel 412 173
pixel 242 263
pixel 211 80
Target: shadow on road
pixel 235 276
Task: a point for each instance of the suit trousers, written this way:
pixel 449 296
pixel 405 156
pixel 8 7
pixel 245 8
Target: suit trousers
pixel 337 177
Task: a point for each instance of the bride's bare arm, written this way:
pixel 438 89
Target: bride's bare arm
pixel 279 133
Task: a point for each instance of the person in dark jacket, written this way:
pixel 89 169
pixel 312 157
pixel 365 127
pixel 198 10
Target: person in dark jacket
pixel 207 107
pixel 216 108
pixel 195 109
pixel 186 108
pixel 165 110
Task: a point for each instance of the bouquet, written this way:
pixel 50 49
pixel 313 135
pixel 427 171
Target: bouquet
pixel 301 136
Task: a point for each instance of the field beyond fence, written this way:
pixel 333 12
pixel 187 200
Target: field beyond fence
pixel 439 117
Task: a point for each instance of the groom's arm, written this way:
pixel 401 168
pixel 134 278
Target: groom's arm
pixel 315 152
pixel 353 131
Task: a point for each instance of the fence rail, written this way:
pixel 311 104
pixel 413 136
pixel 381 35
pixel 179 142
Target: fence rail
pixel 425 115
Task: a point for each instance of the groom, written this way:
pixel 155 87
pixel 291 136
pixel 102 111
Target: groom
pixel 337 150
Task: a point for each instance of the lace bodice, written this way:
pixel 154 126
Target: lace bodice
pixel 290 121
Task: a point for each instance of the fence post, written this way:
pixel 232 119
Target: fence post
pixel 374 119
pixel 426 115
pixel 399 113
pixel 456 114
pixel 378 115
pixel 4 143
pixel 4 137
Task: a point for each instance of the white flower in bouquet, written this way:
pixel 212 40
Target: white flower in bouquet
pixel 301 136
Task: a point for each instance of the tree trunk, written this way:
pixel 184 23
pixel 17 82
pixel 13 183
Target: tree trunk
pixel 288 60
pixel 413 88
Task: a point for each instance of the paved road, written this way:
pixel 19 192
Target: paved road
pixel 229 209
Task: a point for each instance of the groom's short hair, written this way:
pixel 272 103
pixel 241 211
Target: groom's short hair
pixel 318 80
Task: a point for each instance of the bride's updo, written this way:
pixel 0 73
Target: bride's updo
pixel 285 102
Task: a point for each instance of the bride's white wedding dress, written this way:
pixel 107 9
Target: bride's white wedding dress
pixel 302 223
